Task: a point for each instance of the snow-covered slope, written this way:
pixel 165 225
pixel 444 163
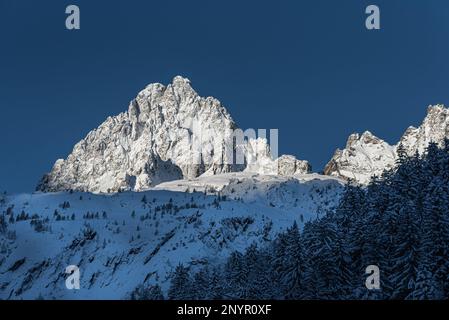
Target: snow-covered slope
pixel 366 155
pixel 123 240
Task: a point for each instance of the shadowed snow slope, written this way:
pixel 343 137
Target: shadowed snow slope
pixel 123 240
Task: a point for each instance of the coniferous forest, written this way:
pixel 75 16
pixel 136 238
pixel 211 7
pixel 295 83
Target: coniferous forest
pixel 399 222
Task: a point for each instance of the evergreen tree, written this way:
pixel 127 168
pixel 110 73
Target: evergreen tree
pixel 216 285
pixel 150 293
pixel 181 287
pixel 399 223
pixel 201 284
pixel 425 287
pixel 292 264
pixel 236 276
pixel 3 224
pixel 258 279
pixel 435 234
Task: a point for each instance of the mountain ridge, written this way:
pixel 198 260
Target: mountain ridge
pixel 367 155
pixel 171 133
pixel 168 133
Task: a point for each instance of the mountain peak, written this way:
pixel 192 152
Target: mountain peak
pixel 180 81
pixel 367 155
pixel 364 138
pixel 168 133
pixel 149 144
pixel 437 108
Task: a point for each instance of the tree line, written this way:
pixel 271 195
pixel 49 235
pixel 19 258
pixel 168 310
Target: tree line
pixel 399 222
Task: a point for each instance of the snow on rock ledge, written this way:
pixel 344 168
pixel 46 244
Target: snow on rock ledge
pixel 260 161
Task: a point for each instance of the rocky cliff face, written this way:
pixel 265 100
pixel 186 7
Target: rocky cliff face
pixel 434 128
pixel 153 142
pixel 366 155
pixel 288 165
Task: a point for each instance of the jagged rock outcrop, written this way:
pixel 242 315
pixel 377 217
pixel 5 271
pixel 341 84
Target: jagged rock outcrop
pixel 258 157
pixel 366 155
pixel 153 142
pixel 288 165
pixel 434 128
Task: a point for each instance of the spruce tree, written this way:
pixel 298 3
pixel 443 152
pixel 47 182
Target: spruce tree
pixel 181 287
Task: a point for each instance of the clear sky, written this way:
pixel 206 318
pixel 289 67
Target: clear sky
pixel 309 68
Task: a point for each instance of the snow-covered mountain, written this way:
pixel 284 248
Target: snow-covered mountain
pixel 195 208
pixel 148 144
pixel 364 155
pixel 171 133
pixel 123 240
pixel 168 133
pixel 434 128
pixel 367 155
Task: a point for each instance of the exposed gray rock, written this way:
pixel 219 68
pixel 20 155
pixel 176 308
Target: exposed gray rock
pixel 288 166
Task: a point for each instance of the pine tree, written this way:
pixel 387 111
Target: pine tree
pixel 216 285
pixel 258 279
pixel 277 257
pixel 435 234
pixel 351 218
pixel 201 284
pixel 325 275
pixel 236 276
pixel 292 264
pixel 181 287
pixel 155 293
pixel 3 224
pixel 425 287
pixel 150 293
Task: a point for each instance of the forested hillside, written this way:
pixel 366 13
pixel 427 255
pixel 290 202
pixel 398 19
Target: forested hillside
pixel 399 222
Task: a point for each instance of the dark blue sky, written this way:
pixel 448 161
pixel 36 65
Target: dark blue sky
pixel 309 68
